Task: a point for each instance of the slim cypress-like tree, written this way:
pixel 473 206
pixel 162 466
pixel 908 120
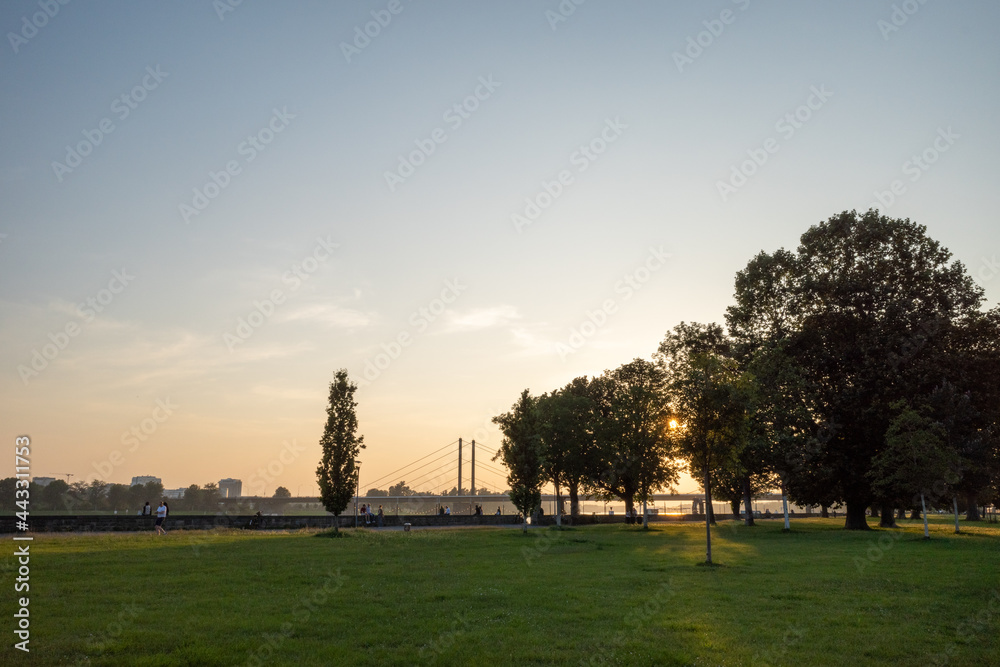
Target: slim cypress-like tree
pixel 337 473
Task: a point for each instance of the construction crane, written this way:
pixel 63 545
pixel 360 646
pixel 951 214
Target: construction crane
pixel 67 474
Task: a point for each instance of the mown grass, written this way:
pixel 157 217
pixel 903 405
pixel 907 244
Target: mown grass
pixel 611 595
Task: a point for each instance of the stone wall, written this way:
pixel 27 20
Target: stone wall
pixel 128 523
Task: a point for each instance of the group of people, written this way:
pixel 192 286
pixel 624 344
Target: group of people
pixel 162 512
pixel 370 517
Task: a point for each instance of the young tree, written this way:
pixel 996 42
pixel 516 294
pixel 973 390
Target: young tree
pixel 337 472
pixel 118 497
pixel 52 493
pixel 523 454
pixel 400 489
pixel 97 492
pixel 914 459
pixel 709 398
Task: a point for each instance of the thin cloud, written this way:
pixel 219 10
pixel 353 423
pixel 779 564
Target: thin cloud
pixel 328 314
pixel 480 318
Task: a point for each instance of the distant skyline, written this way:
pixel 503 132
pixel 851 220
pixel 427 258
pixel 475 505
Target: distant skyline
pixel 206 209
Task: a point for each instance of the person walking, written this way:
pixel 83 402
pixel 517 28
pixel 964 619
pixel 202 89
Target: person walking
pixel 381 517
pixel 161 514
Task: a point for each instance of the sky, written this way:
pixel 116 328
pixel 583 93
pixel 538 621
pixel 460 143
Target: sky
pixel 206 209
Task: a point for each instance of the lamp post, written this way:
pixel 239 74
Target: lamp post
pixel 357 490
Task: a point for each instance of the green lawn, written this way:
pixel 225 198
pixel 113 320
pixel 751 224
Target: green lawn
pixel 612 595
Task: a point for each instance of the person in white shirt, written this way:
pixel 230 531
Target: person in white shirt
pixel 447 510
pixel 161 514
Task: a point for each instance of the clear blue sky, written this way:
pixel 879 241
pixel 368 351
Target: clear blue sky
pixel 664 120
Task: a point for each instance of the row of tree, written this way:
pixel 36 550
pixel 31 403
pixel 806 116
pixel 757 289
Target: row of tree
pixel 97 495
pixel 400 489
pixel 860 370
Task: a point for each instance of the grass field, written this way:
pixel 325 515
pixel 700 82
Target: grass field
pixel 612 595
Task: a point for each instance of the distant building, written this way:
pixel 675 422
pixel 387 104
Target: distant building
pixel 145 479
pixel 230 488
pixel 173 494
pixel 43 481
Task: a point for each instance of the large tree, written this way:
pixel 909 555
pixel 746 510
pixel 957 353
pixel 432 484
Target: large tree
pixel 523 453
pixel 633 453
pixel 568 437
pixel 864 308
pixel 337 472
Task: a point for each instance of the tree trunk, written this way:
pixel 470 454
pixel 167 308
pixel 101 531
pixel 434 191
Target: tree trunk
pixel 574 500
pixel 708 521
pixel 747 502
pixel 709 511
pixel 735 506
pixel 645 515
pixel 923 506
pixel 784 505
pixel 855 516
pixel 915 514
pixel 558 507
pixel 972 509
pixel 824 511
pixel 629 507
pixel 954 503
pixel 887 516
pixel 900 513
